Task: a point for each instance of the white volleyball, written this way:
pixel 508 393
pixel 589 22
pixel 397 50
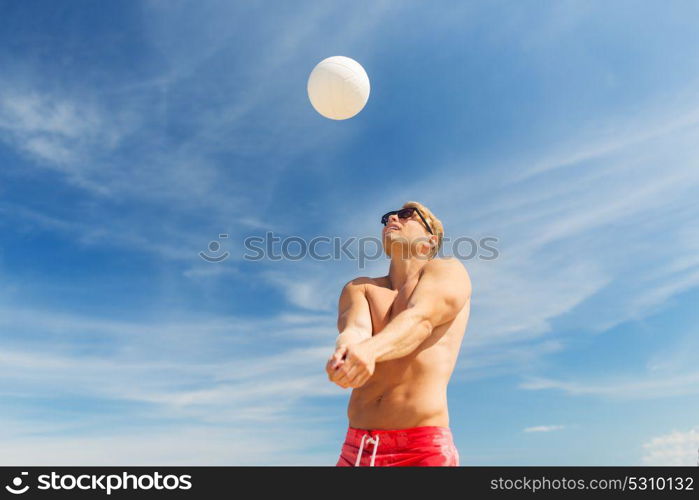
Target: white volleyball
pixel 338 87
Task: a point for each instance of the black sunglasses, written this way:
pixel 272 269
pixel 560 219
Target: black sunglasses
pixel 404 213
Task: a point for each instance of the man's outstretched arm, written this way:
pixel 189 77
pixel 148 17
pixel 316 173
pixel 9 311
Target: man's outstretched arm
pixel 354 325
pixel 439 295
pixel 353 314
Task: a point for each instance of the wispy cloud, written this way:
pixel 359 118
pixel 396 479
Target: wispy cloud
pixel 309 288
pixel 167 372
pixel 113 143
pixel 174 445
pixel 481 358
pixel 60 132
pixel 544 428
pixel 674 448
pixel 650 387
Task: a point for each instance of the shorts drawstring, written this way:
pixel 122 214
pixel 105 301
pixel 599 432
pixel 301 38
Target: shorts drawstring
pixel 375 441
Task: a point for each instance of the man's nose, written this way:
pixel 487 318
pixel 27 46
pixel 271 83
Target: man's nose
pixel 393 218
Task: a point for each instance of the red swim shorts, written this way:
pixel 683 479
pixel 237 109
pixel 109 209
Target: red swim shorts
pixel 425 446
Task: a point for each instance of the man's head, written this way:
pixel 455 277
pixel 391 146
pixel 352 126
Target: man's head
pixel 409 232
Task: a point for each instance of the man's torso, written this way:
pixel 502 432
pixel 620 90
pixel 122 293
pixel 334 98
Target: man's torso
pixel 410 391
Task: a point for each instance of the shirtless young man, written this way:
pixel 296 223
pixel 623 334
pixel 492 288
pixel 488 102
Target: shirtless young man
pixel 399 339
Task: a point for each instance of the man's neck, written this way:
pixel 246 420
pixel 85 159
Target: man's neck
pixel 402 270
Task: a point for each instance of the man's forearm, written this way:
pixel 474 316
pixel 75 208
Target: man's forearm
pixel 351 336
pixel 401 336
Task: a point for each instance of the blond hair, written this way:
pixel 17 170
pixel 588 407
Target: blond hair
pixel 433 221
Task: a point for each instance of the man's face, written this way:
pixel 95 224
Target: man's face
pixel 404 233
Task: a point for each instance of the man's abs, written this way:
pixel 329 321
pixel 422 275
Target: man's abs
pixel 386 403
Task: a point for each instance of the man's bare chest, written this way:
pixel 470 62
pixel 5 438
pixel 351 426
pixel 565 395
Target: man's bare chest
pixel 385 303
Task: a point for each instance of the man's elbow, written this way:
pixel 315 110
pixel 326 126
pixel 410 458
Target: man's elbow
pixel 424 323
pixel 430 318
pixel 427 327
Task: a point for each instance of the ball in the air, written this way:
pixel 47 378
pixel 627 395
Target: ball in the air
pixel 338 87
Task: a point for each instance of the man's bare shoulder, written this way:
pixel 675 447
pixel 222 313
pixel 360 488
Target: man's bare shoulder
pixel 446 264
pixel 362 281
pixel 449 269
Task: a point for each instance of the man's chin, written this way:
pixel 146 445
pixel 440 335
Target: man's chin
pixel 394 245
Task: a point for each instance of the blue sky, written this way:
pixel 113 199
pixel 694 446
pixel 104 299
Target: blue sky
pixel 132 134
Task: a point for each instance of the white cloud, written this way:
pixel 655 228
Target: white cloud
pixel 309 288
pixel 677 357
pixel 544 428
pixel 675 448
pixel 677 113
pixel 480 358
pixel 183 334
pixel 56 130
pixel 258 444
pixel 630 387
pixel 207 270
